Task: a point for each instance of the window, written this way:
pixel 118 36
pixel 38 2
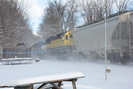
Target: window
pixel 71 36
pixel 66 37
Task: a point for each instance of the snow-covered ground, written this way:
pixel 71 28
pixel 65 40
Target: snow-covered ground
pixel 120 77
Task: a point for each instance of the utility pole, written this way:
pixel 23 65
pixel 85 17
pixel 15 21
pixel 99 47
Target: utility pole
pixel 105 52
pixel 105 41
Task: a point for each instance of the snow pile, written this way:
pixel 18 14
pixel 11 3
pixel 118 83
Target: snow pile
pixel 120 77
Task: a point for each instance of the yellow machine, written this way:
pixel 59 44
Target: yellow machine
pixel 59 45
pixel 60 40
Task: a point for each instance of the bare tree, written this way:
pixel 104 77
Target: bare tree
pixel 123 5
pixel 108 7
pixel 59 17
pixel 94 10
pixel 52 19
pixel 13 21
pixel 70 15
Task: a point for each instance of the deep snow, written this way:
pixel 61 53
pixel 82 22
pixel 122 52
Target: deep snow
pixel 120 77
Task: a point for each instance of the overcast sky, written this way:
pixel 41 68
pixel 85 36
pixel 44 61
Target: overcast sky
pixel 35 12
